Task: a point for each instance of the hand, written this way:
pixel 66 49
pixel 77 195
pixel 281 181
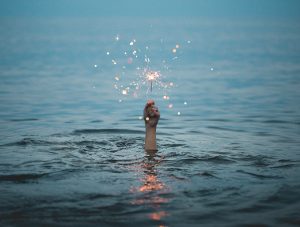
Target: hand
pixel 151 114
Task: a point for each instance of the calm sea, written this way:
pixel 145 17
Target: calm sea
pixel 71 145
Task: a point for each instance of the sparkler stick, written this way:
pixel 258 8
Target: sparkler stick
pixel 152 76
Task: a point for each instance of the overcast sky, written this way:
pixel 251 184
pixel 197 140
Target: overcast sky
pixel 289 9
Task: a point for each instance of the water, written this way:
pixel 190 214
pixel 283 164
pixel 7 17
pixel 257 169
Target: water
pixel 71 154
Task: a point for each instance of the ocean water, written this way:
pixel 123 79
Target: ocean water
pixel 71 145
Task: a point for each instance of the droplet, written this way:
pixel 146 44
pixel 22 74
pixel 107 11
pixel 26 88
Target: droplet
pixel 140 117
pixel 124 92
pixel 178 113
pixel 117 38
pixel 131 43
pixel 174 50
pixel 114 62
pixel 211 69
pixel 117 78
pixel 177 46
pixel 95 66
pixel 107 53
pixel 185 103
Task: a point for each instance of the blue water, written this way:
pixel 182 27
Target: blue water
pixel 71 153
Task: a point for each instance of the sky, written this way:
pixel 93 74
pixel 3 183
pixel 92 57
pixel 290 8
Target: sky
pixel 286 9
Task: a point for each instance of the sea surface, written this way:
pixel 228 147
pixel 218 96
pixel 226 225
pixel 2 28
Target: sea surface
pixel 71 145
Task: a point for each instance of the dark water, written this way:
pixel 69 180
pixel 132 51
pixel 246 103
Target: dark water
pixel 71 154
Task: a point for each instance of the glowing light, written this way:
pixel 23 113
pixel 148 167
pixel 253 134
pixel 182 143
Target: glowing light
pixel 134 52
pixel 211 69
pixel 131 43
pixel 117 78
pixel 171 84
pixel 174 50
pixel 189 41
pixel 147 118
pixel 113 61
pixel 124 92
pixel 185 103
pixel 117 38
pixel 170 106
pixel 107 53
pixel 177 46
pixel 152 76
pixel 140 117
pixel 95 66
pixel 164 97
pixel 178 113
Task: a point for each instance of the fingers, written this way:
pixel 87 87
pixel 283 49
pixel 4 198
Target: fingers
pixel 150 102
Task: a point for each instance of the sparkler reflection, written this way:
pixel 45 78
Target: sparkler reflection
pixel 149 193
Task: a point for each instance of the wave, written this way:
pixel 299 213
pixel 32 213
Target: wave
pixel 260 176
pixel 21 177
pixel 106 131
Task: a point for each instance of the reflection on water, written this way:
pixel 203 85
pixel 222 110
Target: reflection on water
pixel 152 187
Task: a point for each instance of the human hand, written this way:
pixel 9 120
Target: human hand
pixel 151 114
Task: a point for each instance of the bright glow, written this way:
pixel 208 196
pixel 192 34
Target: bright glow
pixel 124 92
pixel 152 75
pixel 178 113
pixel 185 103
pixel 95 66
pixel 174 50
pixel 170 106
pixel 117 78
pixel 107 53
pixel 147 118
pixel 177 46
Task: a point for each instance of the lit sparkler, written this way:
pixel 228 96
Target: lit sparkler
pixel 152 76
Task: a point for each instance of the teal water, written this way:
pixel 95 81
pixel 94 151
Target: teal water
pixel 72 154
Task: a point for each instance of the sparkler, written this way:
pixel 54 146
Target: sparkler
pixel 152 76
